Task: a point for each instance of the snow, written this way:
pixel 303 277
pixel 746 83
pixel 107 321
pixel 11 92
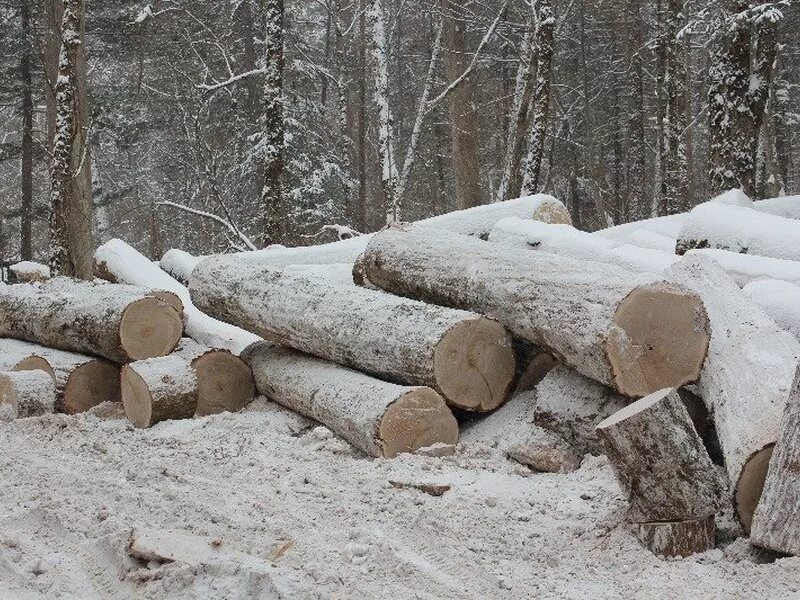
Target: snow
pixel 745 268
pixel 735 197
pixel 29 270
pixel 289 506
pixel 780 300
pixel 556 239
pixel 787 206
pixel 668 226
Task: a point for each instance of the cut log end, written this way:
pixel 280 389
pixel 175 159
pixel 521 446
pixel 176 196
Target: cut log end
pixel 136 398
pixel 91 384
pixel 660 340
pixel 416 420
pixel 224 383
pixel 679 538
pixel 554 213
pixel 474 365
pixel 751 484
pixel 170 298
pixel 35 363
pixel 149 328
pixel 26 394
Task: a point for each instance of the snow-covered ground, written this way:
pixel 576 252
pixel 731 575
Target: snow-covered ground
pixel 276 507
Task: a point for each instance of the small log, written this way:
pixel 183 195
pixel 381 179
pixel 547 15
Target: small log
pixel 178 264
pixel 115 322
pixel 224 381
pixel 381 419
pixel 159 389
pixel 545 237
pixel 677 538
pixel 533 364
pixel 26 393
pixel 466 358
pixel 660 461
pixel 17 355
pixel 638 334
pixel 747 380
pixel 28 271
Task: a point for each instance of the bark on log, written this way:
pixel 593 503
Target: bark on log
pixel 224 381
pixel 638 334
pixel 179 264
pixel 382 419
pixel 748 378
pixel 465 357
pixel 159 389
pixel 678 538
pixel 26 394
pixel 115 322
pixel 16 355
pixel 660 461
pixel 739 230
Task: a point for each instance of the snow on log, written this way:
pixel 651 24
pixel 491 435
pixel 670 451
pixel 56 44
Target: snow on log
pixel 115 322
pixel 16 355
pixel 465 357
pixel 786 206
pixel 642 238
pixel 556 239
pixel 572 405
pixel 179 265
pixel 660 461
pixel 28 271
pixel 512 430
pixel 668 226
pixel 159 389
pixel 382 419
pixel 224 381
pixel 677 538
pixel 780 300
pixel 631 331
pixel 739 230
pixel 748 379
pixel 125 264
pixel 635 258
pixel 26 394
pixel 745 268
pixel 733 197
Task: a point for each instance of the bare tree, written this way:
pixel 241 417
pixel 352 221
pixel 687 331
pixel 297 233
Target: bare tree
pixel 274 133
pixel 26 207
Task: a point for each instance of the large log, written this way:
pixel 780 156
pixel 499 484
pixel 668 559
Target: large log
pixel 748 379
pixel 780 300
pixel 118 261
pixel 545 237
pixel 224 381
pixel 660 461
pixel 745 268
pixel 631 331
pixel 159 389
pixel 677 538
pixel 465 357
pixel 81 381
pixel 741 230
pixel 115 322
pixel 26 394
pixel 382 419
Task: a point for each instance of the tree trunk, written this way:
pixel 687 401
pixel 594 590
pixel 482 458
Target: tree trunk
pixel 466 358
pixel 381 419
pixel 116 322
pixel 660 461
pixel 677 538
pixel 675 185
pixel 159 389
pixel 26 207
pixel 463 111
pixel 638 335
pixel 26 394
pixel 362 221
pixel 273 135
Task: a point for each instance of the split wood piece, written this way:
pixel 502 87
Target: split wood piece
pixel 571 405
pixel 123 263
pixel 159 389
pixel 106 320
pixel 465 357
pixel 741 230
pixel 748 378
pixel 660 461
pixel 677 538
pixel 631 331
pixel 26 394
pixel 179 264
pixel 28 271
pixel 381 419
pixel 224 381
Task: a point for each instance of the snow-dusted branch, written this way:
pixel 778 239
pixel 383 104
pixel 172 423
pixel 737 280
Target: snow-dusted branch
pixel 207 215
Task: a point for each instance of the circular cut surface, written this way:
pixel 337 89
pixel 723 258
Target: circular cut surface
pixel 136 398
pixel 660 340
pixel 34 363
pixel 555 214
pixel 224 383
pixel 170 298
pixel 474 365
pixel 416 420
pixel 149 328
pixel 751 484
pixel 91 384
pixel 8 396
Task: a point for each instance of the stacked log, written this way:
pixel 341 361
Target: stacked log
pixel 159 389
pixel 29 271
pixel 382 419
pixel 780 300
pixel 26 394
pixel 466 358
pixel 638 334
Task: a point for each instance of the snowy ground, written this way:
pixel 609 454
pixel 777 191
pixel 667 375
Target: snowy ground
pixel 282 509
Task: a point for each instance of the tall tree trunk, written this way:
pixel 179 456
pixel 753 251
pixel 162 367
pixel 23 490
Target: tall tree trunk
pixel 26 208
pixel 463 112
pixel 71 194
pixel 675 186
pixel 272 192
pixel 362 216
pixel 660 186
pixel 637 207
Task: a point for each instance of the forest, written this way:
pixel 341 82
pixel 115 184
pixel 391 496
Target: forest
pixel 221 126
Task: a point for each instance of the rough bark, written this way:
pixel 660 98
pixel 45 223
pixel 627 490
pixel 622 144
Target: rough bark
pixel 381 419
pixel 660 461
pixel 26 394
pixel 26 206
pixel 747 404
pixel 274 134
pixel 638 335
pixel 115 322
pixel 675 184
pixel 678 538
pixel 466 358
pixel 159 389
